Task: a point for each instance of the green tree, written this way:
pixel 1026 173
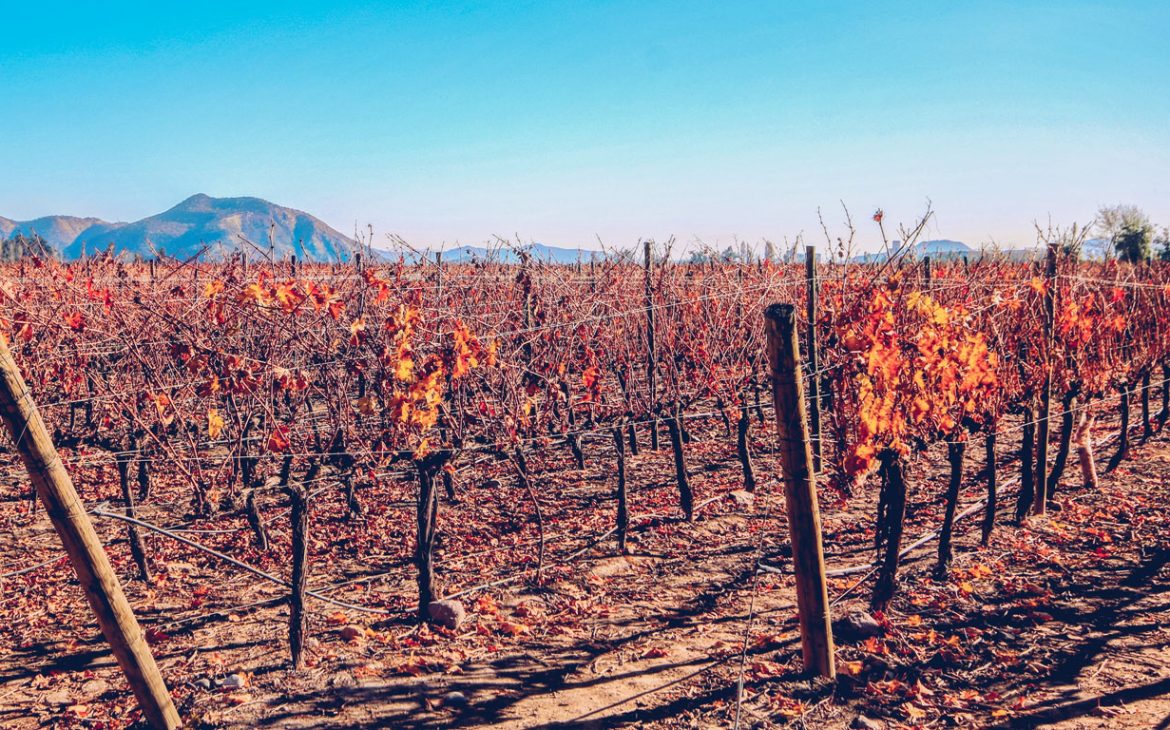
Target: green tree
pixel 1163 245
pixel 1113 220
pixel 1133 243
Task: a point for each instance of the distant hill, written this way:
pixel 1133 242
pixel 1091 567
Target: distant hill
pixel 942 249
pixel 937 249
pixel 200 221
pixel 502 255
pixel 57 230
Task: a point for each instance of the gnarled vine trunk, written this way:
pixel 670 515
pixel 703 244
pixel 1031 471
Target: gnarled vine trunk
pixel 955 452
pixel 623 513
pixel 893 477
pixel 685 495
pixel 992 495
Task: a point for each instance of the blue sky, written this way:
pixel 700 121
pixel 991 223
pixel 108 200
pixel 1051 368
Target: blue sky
pixel 562 122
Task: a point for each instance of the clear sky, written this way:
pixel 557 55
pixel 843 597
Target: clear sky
pixel 562 122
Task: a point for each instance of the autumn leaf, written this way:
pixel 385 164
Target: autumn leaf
pixel 214 423
pixel 513 628
pixel 75 320
pixel 279 440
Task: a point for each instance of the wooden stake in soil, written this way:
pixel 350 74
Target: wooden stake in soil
pixel 800 491
pixel 1043 430
pixel 814 383
pixel 651 362
pixel 97 578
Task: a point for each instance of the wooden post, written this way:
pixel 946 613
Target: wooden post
pixel 97 578
pixel 651 355
pixel 299 518
pixel 814 385
pixel 1040 503
pixel 926 271
pixel 800 491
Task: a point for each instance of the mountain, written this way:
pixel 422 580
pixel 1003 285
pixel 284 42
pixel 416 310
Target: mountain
pixel 58 230
pixel 941 249
pixel 199 222
pixel 220 225
pixel 937 250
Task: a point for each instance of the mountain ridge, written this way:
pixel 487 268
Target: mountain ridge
pixel 199 225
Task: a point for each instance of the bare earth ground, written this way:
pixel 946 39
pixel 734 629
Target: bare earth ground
pixel 1064 622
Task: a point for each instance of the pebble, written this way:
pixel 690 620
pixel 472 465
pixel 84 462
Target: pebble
pixel 448 614
pixel 857 625
pixel 455 699
pixel 95 687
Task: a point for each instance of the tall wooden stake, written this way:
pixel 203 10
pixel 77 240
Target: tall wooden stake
pixel 800 490
pixel 814 385
pixel 81 542
pixel 651 355
pixel 1040 504
pixel 297 618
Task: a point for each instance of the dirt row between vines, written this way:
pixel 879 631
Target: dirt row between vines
pixel 1059 621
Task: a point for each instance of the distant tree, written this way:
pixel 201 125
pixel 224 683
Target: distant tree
pixel 20 245
pixel 1112 220
pixel 1162 243
pixel 1133 243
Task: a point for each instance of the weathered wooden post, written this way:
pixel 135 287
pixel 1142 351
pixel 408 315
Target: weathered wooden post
pixel 1040 503
pixel 97 578
pixel 299 518
pixel 651 355
pixel 814 385
pixel 800 491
